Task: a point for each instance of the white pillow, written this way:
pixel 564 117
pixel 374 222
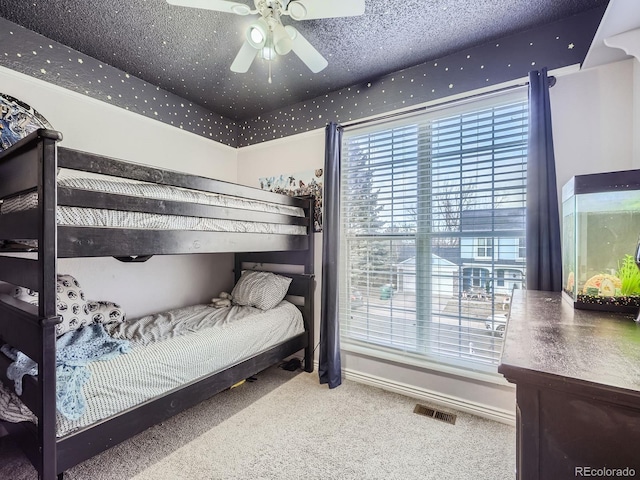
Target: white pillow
pixel 263 290
pixel 72 305
pixel 70 302
pixel 105 312
pixel 26 295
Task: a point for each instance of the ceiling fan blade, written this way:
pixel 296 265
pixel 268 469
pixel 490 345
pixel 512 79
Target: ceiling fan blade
pixel 307 52
pixel 311 9
pixel 216 5
pixel 244 58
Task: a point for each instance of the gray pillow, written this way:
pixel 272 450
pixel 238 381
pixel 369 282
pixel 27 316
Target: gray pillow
pixel 263 290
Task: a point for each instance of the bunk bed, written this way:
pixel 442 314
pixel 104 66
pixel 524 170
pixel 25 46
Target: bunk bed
pixel 32 219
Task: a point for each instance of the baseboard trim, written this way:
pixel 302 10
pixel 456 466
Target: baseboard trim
pixel 474 408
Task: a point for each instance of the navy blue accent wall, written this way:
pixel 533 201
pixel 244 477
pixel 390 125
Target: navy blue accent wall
pixel 555 45
pixel 32 54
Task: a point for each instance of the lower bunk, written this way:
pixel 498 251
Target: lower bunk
pixel 166 363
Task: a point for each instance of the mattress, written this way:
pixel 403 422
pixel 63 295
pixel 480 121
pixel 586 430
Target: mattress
pixel 91 217
pixel 168 351
pixel 174 348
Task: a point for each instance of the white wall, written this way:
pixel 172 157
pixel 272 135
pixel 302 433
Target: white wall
pixel 95 126
pixel 592 116
pixel 592 122
pixel 298 153
pixel 91 125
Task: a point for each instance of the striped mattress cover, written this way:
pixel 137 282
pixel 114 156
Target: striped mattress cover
pixel 90 217
pixel 174 348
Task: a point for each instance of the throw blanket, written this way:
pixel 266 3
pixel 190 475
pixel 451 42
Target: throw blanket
pixel 74 351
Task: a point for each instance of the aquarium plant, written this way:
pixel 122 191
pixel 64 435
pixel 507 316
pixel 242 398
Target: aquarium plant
pixel 629 275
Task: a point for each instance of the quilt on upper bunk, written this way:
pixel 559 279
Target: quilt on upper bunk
pixel 171 349
pixel 79 216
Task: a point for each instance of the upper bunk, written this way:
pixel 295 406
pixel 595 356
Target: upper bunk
pixel 131 211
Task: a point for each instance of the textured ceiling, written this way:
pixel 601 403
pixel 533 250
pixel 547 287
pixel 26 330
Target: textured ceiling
pixel 188 51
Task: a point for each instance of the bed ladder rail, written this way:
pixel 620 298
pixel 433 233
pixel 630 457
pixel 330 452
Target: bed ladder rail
pixel 22 225
pixel 20 163
pixel 19 271
pixel 23 328
pixel 304 286
pixel 31 165
pixel 20 326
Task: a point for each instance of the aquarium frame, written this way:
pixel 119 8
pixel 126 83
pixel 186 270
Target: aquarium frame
pixel 598 183
pixel 601 182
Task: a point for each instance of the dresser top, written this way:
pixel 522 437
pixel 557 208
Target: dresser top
pixel 546 336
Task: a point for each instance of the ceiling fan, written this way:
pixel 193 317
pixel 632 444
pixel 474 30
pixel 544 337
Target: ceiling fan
pixel 267 36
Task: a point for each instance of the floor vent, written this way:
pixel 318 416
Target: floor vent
pixel 437 414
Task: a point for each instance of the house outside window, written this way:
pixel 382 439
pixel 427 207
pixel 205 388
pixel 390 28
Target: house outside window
pixel 431 206
pixel 507 224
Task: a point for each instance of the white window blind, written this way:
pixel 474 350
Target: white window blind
pixel 432 218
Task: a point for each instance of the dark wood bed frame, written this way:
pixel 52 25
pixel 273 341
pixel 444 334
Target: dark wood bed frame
pixel 32 165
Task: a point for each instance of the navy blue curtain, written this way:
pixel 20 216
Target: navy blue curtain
pixel 544 256
pixel 329 362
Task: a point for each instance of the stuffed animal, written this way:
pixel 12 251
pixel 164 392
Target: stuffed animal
pixel 222 301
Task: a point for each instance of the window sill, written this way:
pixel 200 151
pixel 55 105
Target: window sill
pixel 462 370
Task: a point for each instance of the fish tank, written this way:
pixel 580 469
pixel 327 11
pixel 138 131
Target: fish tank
pixel 600 235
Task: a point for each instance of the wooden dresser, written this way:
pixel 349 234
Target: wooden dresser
pixel 577 376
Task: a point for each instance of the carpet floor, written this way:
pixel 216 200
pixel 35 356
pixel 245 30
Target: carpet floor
pixel 287 426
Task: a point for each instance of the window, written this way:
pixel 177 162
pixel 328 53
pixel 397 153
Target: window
pixel 484 247
pixel 422 198
pixel 522 252
pixel 476 277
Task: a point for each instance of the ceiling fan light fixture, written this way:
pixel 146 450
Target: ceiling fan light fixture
pixel 268 53
pixel 256 36
pixel 257 33
pixel 281 40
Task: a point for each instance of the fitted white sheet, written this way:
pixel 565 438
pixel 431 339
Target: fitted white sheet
pixel 212 340
pixel 90 217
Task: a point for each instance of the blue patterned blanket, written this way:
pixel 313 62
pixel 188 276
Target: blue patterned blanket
pixel 74 351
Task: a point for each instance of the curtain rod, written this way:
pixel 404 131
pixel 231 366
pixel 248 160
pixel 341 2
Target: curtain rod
pixel 552 82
